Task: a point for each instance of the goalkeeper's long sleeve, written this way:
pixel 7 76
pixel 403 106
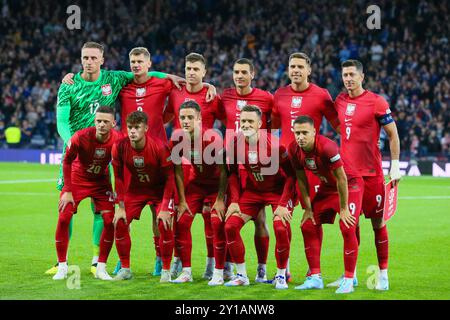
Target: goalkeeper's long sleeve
pixel 63 112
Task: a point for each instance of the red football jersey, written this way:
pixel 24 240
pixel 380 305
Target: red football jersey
pixel 232 104
pixel 150 170
pixel 315 102
pixel 209 110
pixel 149 97
pixel 254 159
pixel 361 119
pixel 86 161
pixel 200 157
pixel 322 160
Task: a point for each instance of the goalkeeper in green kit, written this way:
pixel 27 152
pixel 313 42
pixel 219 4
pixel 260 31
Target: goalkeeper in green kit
pixel 76 107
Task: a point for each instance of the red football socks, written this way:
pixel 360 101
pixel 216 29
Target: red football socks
pixel 382 245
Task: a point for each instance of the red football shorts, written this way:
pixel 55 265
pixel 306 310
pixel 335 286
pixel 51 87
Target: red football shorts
pixel 252 202
pixel 326 203
pixel 373 197
pixel 134 204
pixel 102 196
pixel 197 195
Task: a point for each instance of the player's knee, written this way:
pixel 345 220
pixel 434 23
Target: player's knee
pixel 279 228
pixel 64 219
pixel 108 217
pixel 347 232
pixel 121 229
pixel 233 227
pixel 308 228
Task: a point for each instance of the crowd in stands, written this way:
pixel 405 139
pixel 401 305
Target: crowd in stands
pixel 406 60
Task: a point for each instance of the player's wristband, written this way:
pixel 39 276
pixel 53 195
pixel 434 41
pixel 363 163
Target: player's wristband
pixel 395 170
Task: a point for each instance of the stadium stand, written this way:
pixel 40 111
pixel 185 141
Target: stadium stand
pixel 406 60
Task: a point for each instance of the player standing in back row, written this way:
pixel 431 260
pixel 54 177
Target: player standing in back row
pixel 362 113
pixel 233 100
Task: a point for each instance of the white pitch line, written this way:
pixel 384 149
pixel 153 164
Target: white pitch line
pixel 26 181
pixel 28 194
pixel 57 194
pixel 424 198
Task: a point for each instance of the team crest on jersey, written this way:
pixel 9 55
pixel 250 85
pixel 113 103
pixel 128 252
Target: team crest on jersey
pixel 296 102
pixel 310 164
pixel 138 162
pixel 350 109
pixel 253 157
pixel 106 89
pixel 140 92
pixel 241 103
pixel 100 153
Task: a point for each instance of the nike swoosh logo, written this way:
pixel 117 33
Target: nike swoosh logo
pixel 228 243
pixel 380 242
pixel 347 120
pixel 167 241
pixel 81 96
pixel 279 251
pixel 378 210
pixel 137 100
pixel 307 248
pixel 349 252
pixel 292 112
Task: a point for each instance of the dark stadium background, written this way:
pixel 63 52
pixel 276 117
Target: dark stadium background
pixel 406 60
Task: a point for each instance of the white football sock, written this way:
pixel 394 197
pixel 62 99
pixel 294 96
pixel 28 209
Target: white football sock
pixel 240 268
pixel 281 272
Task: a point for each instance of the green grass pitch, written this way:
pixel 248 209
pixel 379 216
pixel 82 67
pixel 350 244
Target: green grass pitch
pixel 419 233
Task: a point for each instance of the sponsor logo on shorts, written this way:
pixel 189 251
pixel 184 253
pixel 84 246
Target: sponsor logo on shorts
pixel 351 107
pixel 100 153
pixel 106 89
pixel 138 162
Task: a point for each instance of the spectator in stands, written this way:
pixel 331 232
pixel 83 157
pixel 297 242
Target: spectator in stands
pixel 2 133
pixel 13 135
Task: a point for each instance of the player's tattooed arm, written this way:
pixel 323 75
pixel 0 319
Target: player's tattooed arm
pixel 219 205
pixel 304 193
pixel 342 187
pixel 179 181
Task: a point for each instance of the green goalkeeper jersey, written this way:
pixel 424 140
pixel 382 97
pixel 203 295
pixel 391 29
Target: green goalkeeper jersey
pixel 78 103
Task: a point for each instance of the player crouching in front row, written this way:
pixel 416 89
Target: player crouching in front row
pixel 340 191
pixel 270 181
pixel 85 169
pixel 206 183
pixel 150 181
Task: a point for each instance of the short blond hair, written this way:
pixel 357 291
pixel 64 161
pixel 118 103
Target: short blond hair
pixel 139 50
pixel 93 45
